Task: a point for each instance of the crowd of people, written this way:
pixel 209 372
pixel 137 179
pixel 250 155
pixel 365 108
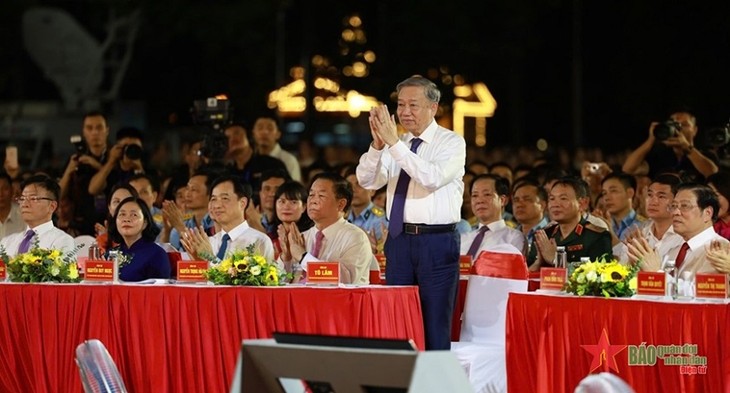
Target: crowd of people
pixel 418 195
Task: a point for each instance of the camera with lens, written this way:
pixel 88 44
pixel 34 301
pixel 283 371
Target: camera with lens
pixel 666 130
pixel 215 112
pixel 717 137
pixel 79 145
pixel 132 151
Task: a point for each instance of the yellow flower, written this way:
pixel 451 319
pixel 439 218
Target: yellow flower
pixel 73 271
pixel 225 265
pixel 260 260
pixel 241 264
pixel 614 272
pixel 55 254
pixel 633 283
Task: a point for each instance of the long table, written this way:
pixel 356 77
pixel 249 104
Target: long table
pixel 167 338
pixel 553 342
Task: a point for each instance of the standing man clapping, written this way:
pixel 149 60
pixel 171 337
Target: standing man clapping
pixel 423 170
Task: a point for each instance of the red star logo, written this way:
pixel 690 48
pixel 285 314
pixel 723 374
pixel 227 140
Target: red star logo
pixel 604 351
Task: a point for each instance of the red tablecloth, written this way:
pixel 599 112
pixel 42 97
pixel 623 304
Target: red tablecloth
pixel 176 338
pixel 545 335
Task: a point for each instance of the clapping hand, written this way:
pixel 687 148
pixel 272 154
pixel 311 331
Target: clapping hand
pixel 718 253
pixel 173 216
pixel 382 127
pixel 640 251
pixel 297 245
pixel 547 249
pixel 283 231
pixel 195 241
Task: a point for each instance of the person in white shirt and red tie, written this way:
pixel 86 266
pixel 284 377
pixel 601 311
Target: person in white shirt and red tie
pixel 38 201
pixel 694 210
pixel 423 170
pixel 489 196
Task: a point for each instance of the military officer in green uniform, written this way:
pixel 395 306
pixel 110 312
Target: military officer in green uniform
pixel 567 201
pixel 364 214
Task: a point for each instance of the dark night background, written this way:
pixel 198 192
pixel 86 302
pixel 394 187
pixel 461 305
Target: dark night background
pixel 638 60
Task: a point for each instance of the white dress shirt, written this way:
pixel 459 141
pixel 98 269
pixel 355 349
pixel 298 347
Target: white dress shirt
pixel 290 162
pixel 436 189
pixel 13 223
pixel 344 243
pixel 669 241
pixel 49 237
pixel 498 233
pixel 241 237
pixel 695 261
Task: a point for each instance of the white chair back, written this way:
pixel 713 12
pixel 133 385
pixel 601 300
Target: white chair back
pixel 85 241
pixel 486 308
pixel 98 371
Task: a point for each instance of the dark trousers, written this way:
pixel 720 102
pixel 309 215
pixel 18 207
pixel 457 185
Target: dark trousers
pixel 430 261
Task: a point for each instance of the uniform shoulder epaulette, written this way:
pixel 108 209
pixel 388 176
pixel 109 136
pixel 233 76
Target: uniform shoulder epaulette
pixel 594 228
pixel 378 211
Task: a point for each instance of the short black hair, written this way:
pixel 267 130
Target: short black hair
pixel 149 233
pixel 541 193
pixel 626 180
pixel 275 173
pixel 95 114
pixel 44 182
pixel 240 189
pixel 125 186
pixel 343 188
pixel 130 132
pixel 670 179
pixel 150 178
pixel 577 184
pixel 501 185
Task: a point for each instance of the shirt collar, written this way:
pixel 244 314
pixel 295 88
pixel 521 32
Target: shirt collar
pixel 331 230
pixel 493 226
pixel 45 227
pixel 427 135
pixel 701 238
pixel 237 230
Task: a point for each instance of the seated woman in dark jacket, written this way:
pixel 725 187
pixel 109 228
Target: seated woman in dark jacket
pixel 135 232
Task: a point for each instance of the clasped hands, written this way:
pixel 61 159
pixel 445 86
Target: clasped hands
pixel 382 127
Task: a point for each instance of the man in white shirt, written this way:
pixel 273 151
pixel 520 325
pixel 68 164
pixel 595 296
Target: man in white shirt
pixel 266 134
pixel 423 170
pixel 10 219
pixel 489 196
pixel 38 200
pixel 693 210
pixel 657 233
pixel 332 238
pixel 228 201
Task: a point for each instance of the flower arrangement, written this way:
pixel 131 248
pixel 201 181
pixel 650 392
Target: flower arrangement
pixel 245 267
pixel 603 278
pixel 42 265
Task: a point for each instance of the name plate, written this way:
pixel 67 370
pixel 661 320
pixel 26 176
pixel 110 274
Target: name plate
pixel 711 286
pixel 191 271
pixel 651 283
pixel 3 271
pixel 553 278
pixel 323 273
pixel 464 264
pixel 99 271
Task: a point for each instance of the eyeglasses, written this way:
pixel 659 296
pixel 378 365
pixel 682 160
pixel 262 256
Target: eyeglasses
pixel 683 207
pixel 31 199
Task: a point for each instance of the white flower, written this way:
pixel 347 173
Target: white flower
pixel 55 271
pixel 591 276
pixel 255 270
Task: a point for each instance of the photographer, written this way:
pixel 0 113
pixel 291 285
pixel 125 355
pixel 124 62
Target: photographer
pixel 90 156
pixel 670 147
pixel 125 161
